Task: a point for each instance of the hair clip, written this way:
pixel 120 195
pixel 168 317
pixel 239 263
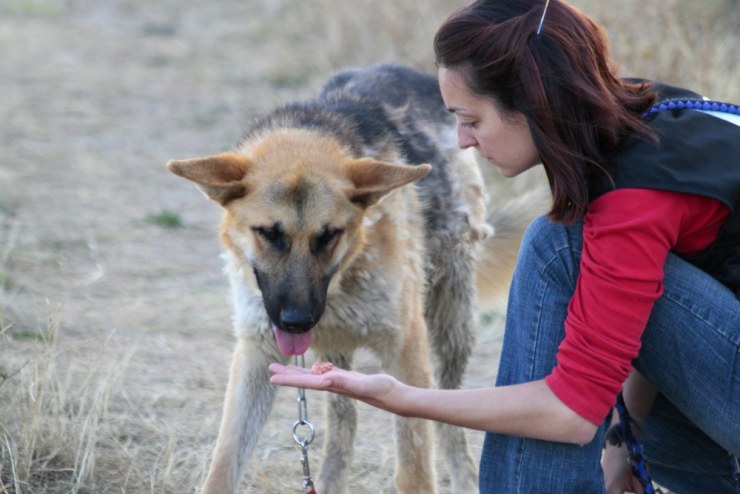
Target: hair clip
pixel 542 19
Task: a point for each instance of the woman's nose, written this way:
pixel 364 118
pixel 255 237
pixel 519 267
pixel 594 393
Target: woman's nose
pixel 465 139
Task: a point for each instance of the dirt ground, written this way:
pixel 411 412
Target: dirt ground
pixel 95 97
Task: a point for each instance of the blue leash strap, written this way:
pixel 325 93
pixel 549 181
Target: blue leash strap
pixel 735 464
pixel 634 448
pixel 637 457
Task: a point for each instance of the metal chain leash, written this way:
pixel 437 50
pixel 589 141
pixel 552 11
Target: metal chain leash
pixel 308 433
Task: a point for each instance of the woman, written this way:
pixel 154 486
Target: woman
pixel 637 265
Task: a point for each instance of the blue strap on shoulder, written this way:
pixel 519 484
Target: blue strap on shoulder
pixel 693 104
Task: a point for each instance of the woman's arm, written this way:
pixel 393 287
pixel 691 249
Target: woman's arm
pixel 527 410
pixel 639 396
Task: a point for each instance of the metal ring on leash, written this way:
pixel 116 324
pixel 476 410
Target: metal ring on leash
pixel 297 438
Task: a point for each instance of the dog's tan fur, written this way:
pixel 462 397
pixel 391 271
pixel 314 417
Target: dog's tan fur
pixel 304 203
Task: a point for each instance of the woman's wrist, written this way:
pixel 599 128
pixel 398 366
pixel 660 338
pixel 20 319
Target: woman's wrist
pixel 404 400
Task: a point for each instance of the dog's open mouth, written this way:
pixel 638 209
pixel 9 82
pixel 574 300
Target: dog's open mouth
pixel 292 343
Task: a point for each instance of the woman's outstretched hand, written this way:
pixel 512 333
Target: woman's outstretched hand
pixel 376 389
pixel 526 410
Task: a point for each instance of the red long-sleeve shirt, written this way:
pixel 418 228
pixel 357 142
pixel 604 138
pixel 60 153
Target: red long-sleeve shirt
pixel 627 235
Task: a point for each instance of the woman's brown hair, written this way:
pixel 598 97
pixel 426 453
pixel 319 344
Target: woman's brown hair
pixel 561 79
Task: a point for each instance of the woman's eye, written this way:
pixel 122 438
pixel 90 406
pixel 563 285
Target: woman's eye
pixel 467 125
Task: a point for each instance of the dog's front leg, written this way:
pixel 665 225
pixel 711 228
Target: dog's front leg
pixel 415 470
pixel 341 419
pixel 248 401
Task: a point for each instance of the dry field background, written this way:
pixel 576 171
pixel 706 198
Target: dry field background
pixel 114 315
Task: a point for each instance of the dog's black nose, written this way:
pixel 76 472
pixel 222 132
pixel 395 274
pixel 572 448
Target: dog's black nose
pixel 296 320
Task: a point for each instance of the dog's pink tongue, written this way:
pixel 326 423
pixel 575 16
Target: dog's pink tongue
pixel 291 343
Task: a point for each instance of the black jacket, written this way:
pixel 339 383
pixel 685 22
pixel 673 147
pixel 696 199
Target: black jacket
pixel 695 153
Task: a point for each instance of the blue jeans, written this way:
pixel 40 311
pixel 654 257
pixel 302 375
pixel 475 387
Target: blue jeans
pixel 690 351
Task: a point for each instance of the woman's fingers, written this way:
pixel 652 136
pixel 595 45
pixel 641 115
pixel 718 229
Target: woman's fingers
pixel 287 369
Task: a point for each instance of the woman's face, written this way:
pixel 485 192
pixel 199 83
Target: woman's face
pixel 504 140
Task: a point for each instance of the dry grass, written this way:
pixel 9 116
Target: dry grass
pixel 114 339
pixel 63 413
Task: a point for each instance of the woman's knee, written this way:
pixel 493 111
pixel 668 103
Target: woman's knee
pixel 548 245
pixel 551 236
pixel 539 228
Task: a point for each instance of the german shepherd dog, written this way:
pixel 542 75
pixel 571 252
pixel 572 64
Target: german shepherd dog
pixel 352 220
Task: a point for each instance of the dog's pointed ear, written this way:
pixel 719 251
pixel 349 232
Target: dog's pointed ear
pixel 374 179
pixel 220 177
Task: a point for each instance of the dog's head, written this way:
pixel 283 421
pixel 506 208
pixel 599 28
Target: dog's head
pixel 294 206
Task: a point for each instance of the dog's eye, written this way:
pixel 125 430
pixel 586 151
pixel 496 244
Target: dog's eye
pixel 322 242
pixel 273 236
